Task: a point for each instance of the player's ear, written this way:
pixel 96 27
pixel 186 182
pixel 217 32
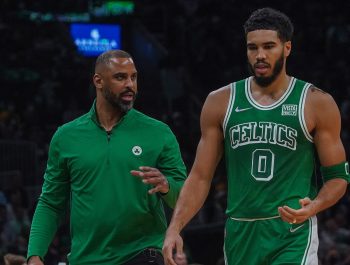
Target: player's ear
pixel 287 48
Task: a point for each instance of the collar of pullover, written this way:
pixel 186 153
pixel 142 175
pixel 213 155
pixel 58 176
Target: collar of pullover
pixel 93 115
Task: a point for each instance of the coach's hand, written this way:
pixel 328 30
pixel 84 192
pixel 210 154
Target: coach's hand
pixel 35 260
pixel 153 176
pixel 297 216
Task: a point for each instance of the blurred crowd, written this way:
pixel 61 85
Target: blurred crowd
pixel 45 82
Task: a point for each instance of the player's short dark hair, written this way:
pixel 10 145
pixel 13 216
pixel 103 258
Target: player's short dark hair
pixel 104 58
pixel 270 19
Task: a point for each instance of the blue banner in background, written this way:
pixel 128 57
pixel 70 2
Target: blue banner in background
pixel 94 39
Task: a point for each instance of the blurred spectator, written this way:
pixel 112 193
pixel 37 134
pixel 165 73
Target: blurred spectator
pixel 12 259
pixel 7 235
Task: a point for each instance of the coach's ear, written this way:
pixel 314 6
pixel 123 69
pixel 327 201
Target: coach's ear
pixel 98 81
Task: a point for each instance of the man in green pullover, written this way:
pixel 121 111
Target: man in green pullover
pixel 115 167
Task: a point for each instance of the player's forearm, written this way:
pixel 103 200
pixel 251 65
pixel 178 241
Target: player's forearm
pixel 329 194
pixel 191 199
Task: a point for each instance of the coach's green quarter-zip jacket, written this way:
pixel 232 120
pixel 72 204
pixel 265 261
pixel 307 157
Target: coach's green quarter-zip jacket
pixel 112 217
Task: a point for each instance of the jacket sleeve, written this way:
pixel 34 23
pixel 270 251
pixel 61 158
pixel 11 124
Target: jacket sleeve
pixel 170 163
pixel 52 201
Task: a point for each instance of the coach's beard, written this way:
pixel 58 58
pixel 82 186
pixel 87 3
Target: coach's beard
pixel 117 102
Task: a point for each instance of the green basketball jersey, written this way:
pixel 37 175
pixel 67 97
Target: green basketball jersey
pixel 268 150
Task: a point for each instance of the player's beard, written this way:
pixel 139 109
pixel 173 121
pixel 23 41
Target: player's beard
pixel 265 81
pixel 116 101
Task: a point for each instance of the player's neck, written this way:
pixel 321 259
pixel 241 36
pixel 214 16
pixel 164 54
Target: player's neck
pixel 277 87
pixel 271 93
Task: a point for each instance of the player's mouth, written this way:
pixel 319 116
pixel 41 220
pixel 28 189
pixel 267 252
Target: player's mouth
pixel 261 68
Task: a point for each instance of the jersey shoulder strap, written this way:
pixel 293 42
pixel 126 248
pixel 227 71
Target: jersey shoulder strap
pixel 236 88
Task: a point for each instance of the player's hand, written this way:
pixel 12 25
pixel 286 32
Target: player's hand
pixel 173 241
pixel 297 216
pixel 35 260
pixel 153 176
pixel 180 259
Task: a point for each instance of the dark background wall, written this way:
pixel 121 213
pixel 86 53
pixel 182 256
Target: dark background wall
pixel 183 49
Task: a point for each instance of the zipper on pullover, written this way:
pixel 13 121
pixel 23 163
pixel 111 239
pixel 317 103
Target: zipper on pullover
pixel 109 135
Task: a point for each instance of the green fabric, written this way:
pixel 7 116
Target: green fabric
pixel 271 242
pixel 269 153
pixel 112 216
pixel 340 170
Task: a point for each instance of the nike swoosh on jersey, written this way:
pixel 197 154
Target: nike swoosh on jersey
pixel 240 110
pixel 292 230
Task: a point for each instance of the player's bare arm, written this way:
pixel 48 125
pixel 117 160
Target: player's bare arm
pixel 196 187
pixel 324 123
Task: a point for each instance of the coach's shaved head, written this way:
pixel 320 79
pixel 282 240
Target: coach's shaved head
pixel 105 58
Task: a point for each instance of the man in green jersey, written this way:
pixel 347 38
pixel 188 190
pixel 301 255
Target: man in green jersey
pixel 114 167
pixel 270 127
